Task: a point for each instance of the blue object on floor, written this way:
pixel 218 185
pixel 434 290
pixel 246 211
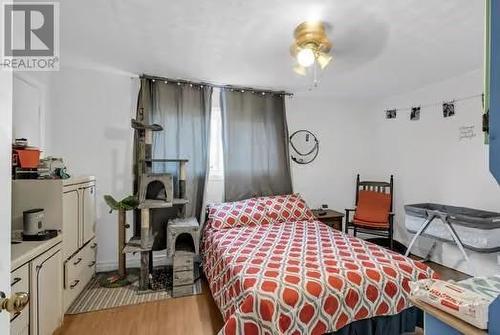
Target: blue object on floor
pixel 434 326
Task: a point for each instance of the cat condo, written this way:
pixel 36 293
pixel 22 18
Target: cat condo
pixel 154 191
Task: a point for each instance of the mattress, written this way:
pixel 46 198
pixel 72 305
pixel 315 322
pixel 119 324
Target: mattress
pixel 478 230
pixel 303 278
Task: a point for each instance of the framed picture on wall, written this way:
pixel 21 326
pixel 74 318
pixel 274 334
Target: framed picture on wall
pixel 448 109
pixel 415 114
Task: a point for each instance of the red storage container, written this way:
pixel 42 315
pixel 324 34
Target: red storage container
pixel 28 158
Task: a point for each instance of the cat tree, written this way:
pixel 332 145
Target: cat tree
pixel 148 184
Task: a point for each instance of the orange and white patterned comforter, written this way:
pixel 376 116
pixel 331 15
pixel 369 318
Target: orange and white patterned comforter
pixel 302 278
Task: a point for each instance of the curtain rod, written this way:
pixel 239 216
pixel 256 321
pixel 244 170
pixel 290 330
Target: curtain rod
pixel 199 83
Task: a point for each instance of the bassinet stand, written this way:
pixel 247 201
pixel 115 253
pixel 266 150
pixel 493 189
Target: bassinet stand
pixel 431 215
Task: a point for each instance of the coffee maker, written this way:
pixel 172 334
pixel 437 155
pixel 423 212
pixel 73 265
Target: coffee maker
pixel 34 226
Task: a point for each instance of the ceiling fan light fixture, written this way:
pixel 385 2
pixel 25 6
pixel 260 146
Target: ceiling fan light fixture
pixel 306 57
pixel 311 48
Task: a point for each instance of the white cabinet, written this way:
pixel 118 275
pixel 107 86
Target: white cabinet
pixel 46 293
pixel 79 218
pixel 20 282
pixel 40 275
pixel 88 212
pixel 79 221
pixel 69 206
pixel 71 216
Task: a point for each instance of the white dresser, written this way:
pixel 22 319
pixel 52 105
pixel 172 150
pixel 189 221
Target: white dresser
pixel 69 206
pixel 37 270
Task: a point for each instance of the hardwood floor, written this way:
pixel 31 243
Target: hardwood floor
pixel 190 315
pixel 447 273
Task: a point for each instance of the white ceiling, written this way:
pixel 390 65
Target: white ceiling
pixel 381 47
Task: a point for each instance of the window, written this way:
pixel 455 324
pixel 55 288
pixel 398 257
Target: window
pixel 216 157
pixel 215 187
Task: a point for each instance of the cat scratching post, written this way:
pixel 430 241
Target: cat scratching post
pixel 122 271
pixel 122 207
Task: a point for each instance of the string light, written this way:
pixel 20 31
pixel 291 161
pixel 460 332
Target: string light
pixel 435 103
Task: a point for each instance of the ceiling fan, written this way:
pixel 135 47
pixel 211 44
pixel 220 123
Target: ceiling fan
pixel 311 48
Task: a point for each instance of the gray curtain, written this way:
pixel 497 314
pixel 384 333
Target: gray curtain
pixel 184 113
pixel 255 141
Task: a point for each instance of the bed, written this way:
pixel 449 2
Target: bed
pixel 289 274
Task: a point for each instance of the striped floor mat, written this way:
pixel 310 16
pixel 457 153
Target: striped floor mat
pixel 95 297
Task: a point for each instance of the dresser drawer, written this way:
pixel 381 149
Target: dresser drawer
pixel 73 267
pixel 78 270
pixel 80 265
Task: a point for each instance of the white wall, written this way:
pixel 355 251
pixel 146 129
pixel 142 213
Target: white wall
pixel 29 101
pixel 88 125
pixel 431 164
pixel 345 148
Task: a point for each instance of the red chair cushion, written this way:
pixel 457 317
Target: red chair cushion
pixel 373 225
pixel 373 207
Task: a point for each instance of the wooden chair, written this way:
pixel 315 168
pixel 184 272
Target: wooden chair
pixel 373 212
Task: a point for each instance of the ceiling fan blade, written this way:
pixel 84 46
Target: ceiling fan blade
pixel 300 70
pixel 324 59
pixel 328 27
pixel 294 50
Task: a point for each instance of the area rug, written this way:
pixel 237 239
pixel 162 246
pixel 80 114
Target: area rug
pixel 96 297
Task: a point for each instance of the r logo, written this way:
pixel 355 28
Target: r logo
pixel 29 30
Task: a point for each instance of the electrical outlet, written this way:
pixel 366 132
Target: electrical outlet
pixel 324 206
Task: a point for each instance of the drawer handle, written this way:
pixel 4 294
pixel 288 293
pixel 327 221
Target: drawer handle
pixel 16 315
pixel 93 246
pixel 77 261
pixel 15 281
pixel 76 282
pixel 91 264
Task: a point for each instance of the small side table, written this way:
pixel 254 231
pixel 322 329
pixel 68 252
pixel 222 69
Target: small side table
pixel 331 218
